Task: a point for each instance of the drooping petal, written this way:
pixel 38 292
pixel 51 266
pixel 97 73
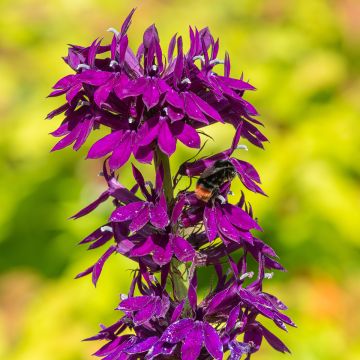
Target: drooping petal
pixel 206 108
pixel 146 313
pixel 100 264
pixel 105 145
pixel 193 110
pixel 182 249
pixel 166 140
pixel 151 94
pixel 134 303
pixel 177 331
pixel 240 218
pixel 144 248
pixel 192 344
pixel 142 345
pixel 121 153
pixel 187 135
pixel 212 342
pixel 210 223
pixel 140 220
pixel 158 215
pixel 86 210
pixel 127 212
pixel 274 341
pixel 163 252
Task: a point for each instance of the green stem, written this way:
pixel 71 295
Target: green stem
pixel 178 271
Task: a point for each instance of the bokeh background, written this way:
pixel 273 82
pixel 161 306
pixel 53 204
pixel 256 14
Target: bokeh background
pixel 302 55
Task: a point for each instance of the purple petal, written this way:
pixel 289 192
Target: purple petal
pixel 235 83
pixel 254 335
pixel 66 82
pixel 86 210
pixel 177 331
pixel 134 303
pixel 240 218
pixel 193 110
pixel 158 215
pixel 148 132
pixel 151 94
pixel 166 140
pixel 171 49
pixel 212 342
pixel 127 212
pixel 162 306
pixel 225 226
pixel 174 99
pixel 236 139
pixel 105 145
pixel 182 249
pixel 145 314
pixel 162 254
pixel 189 136
pixel 100 264
pixel 178 310
pixel 84 132
pixel 127 22
pixel 206 108
pixel 192 295
pixel 227 65
pixel 145 248
pixel 238 349
pixel 160 348
pixel 274 341
pixel 121 153
pixel 102 93
pixel 192 345
pixel 142 345
pixel 210 223
pixel 68 139
pixel 94 77
pixel 72 92
pixel 233 316
pixel 177 210
pixel 141 219
pixel 174 114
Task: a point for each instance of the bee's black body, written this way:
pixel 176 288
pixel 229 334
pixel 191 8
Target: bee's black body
pixel 213 177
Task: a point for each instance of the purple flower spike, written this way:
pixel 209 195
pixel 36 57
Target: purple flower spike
pixel 148 101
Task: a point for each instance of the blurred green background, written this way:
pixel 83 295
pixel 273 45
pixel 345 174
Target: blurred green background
pixel 303 56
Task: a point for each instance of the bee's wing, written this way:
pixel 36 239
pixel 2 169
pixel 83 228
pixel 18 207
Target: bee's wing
pixel 210 171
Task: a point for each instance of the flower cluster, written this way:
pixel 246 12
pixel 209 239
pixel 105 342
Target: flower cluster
pixel 149 101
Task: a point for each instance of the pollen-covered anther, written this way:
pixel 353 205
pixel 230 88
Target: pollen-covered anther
pixel 83 103
pixel 83 66
pixel 199 57
pixel 216 62
pixel 113 30
pixel 131 120
pixel 123 296
pixel 222 199
pixel 242 147
pixel 268 275
pixel 106 228
pixel 249 275
pixel 186 81
pixel 113 63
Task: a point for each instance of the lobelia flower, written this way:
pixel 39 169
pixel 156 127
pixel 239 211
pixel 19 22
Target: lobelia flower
pixel 148 104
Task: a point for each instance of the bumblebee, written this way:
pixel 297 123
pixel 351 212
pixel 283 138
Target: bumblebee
pixel 212 178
